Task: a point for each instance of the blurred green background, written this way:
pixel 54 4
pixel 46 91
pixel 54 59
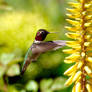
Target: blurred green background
pixel 19 22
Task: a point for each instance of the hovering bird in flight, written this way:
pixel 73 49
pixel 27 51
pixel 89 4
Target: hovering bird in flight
pixel 40 46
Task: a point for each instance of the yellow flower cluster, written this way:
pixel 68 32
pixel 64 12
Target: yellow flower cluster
pixel 81 52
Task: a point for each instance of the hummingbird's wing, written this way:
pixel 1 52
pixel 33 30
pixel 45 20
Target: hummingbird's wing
pixel 47 46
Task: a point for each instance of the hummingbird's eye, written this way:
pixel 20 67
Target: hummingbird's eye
pixel 41 32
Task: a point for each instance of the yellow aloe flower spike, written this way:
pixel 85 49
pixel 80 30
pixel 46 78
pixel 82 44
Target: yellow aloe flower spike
pixel 80 17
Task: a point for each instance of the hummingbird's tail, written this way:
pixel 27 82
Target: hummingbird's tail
pixel 27 62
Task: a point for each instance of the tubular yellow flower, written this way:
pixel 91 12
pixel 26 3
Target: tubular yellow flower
pixel 88 88
pixel 77 75
pixel 70 51
pixel 89 59
pixel 78 87
pixel 73 90
pixel 79 65
pixel 71 69
pixel 74 56
pixel 81 31
pixel 69 81
pixel 73 35
pixel 87 69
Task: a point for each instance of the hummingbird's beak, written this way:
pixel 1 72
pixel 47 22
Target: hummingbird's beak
pixel 53 32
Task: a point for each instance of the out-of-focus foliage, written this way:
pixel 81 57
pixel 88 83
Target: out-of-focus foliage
pixel 19 22
pixel 21 27
pixel 32 86
pixel 50 85
pixel 4 6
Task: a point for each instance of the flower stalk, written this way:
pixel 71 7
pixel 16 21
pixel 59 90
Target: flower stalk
pixel 81 32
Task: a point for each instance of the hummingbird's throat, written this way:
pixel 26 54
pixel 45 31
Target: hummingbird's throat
pixel 38 38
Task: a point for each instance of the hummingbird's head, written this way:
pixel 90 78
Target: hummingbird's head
pixel 41 34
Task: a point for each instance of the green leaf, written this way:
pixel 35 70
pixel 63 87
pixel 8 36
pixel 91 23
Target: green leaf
pixel 50 85
pixel 45 85
pixel 12 89
pixel 6 58
pixel 58 84
pixel 22 90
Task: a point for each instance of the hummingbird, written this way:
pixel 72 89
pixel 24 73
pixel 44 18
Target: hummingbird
pixel 40 46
